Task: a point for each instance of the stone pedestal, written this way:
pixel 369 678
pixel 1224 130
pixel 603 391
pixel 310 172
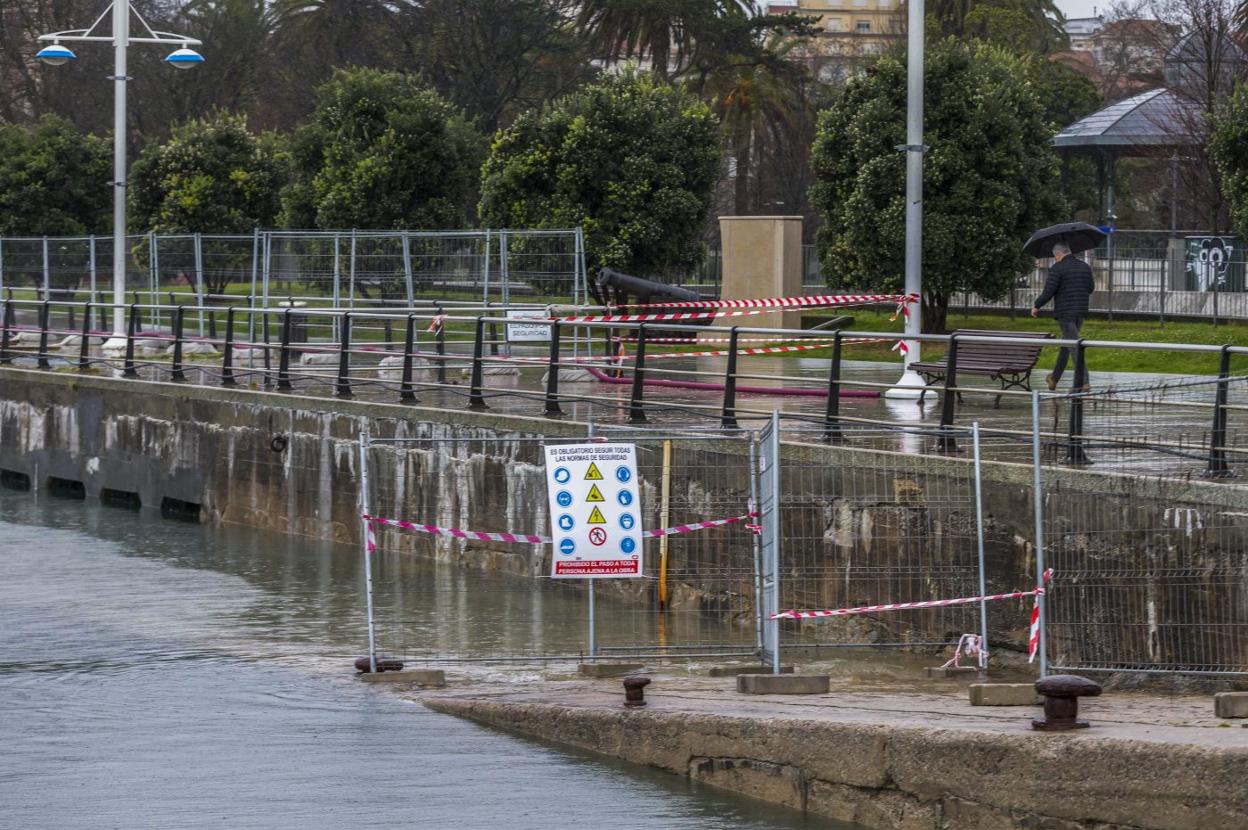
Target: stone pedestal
pixel 762 258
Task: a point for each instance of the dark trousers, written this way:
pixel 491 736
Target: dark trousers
pixel 1070 331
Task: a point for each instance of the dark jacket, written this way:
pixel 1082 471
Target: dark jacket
pixel 1068 285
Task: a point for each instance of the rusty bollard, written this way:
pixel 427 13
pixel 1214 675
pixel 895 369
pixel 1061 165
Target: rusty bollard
pixel 635 690
pixel 1061 701
pixel 383 664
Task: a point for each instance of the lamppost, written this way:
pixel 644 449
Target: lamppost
pixel 183 57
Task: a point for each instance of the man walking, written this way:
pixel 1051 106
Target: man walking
pixel 1069 285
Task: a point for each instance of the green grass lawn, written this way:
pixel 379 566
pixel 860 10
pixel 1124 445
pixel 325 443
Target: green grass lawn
pixel 1117 360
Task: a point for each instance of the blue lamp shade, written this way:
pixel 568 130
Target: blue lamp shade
pixel 55 55
pixel 184 58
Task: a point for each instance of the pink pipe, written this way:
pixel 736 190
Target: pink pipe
pixel 719 387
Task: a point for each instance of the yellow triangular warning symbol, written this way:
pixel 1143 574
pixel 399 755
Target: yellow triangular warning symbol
pixel 594 494
pixel 592 473
pixel 595 518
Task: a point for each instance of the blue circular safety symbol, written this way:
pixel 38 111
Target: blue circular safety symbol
pixel 628 545
pixel 623 475
pixel 567 547
pixel 563 498
pixel 566 522
pixel 627 521
pixel 624 497
pixel 562 475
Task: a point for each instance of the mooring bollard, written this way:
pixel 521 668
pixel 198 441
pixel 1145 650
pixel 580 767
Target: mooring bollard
pixel 1061 701
pixel 383 664
pixel 635 690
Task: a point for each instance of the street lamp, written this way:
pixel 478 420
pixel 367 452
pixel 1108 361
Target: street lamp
pixel 183 57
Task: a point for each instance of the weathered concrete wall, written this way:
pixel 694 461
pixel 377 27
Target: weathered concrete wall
pixel 213 447
pixel 903 776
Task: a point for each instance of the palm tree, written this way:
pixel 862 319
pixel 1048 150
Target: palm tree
pixel 335 32
pixel 667 32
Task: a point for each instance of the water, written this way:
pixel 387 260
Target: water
pixel 155 674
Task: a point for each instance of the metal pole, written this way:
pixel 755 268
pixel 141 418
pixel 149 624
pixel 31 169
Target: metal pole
pixel 251 295
pixel 593 633
pixel 979 541
pixel 351 274
pixel 1038 503
pixel 121 39
pixel 759 619
pixel 914 172
pixel 407 269
pixel 91 298
pixel 47 277
pixel 366 529
pixel 773 450
pixel 199 279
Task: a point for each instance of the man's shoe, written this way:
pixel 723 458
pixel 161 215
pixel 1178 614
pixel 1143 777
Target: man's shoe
pixel 1050 382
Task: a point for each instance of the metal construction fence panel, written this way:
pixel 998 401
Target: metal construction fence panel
pixel 696 598
pixel 339 269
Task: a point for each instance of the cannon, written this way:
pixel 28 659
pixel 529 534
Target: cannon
pixel 614 288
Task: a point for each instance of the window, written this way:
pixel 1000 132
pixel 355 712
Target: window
pixel 860 4
pixel 883 4
pixel 833 24
pixel 864 26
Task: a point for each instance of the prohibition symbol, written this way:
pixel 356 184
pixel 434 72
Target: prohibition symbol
pixel 597 536
pixel 594 494
pixel 592 473
pixel 595 518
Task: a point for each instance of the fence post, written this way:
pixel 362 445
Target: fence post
pixel 283 353
pixel 439 343
pixel 227 359
pixel 91 272
pixel 1218 468
pixel 343 386
pixel 132 328
pixel 832 432
pixel 84 341
pixel 407 269
pixel 728 417
pixel 979 539
pixel 406 395
pixel 552 375
pixel 369 545
pixel 178 372
pixel 268 358
pixel 948 399
pixel 636 405
pixel 47 271
pixel 6 329
pixel 1074 440
pixel 476 400
pixel 199 278
pixel 1038 518
pixel 45 312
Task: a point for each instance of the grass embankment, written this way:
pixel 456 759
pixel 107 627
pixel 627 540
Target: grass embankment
pixel 1106 360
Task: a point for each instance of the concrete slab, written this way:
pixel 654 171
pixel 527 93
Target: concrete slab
pixel 951 672
pixel 608 669
pixel 431 678
pixel 783 684
pixel 1231 705
pixel 1003 694
pixel 734 671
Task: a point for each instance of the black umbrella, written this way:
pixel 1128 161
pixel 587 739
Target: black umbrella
pixel 1080 236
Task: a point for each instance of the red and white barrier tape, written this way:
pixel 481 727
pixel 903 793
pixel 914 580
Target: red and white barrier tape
pixel 483 536
pixel 742 308
pixel 972 645
pixel 1038 591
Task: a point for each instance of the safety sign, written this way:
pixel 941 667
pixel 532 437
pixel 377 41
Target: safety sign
pixel 595 510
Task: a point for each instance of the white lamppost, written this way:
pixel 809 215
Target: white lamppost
pixel 183 57
pixel 911 384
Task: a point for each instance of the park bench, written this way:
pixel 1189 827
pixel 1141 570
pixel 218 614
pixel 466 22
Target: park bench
pixel 1009 363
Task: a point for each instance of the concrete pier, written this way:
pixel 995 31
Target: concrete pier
pixel 902 758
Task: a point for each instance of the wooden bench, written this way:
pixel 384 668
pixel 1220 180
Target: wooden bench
pixel 1009 363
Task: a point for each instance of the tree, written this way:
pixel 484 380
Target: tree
pixel 382 150
pixel 497 58
pixel 212 176
pixel 1228 145
pixel 630 160
pixel 1020 25
pixel 54 180
pixel 990 177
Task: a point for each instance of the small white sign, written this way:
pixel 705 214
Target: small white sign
pixel 595 511
pixel 527 332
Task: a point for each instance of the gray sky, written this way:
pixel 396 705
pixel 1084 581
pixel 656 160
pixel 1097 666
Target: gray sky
pixel 1081 8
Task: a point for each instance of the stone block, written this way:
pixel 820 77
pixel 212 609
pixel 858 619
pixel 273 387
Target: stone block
pixel 783 684
pixel 734 671
pixel 1231 704
pixel 608 669
pixel 951 672
pixel 419 677
pixel 1003 694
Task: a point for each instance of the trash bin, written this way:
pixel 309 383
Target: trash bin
pixel 1213 263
